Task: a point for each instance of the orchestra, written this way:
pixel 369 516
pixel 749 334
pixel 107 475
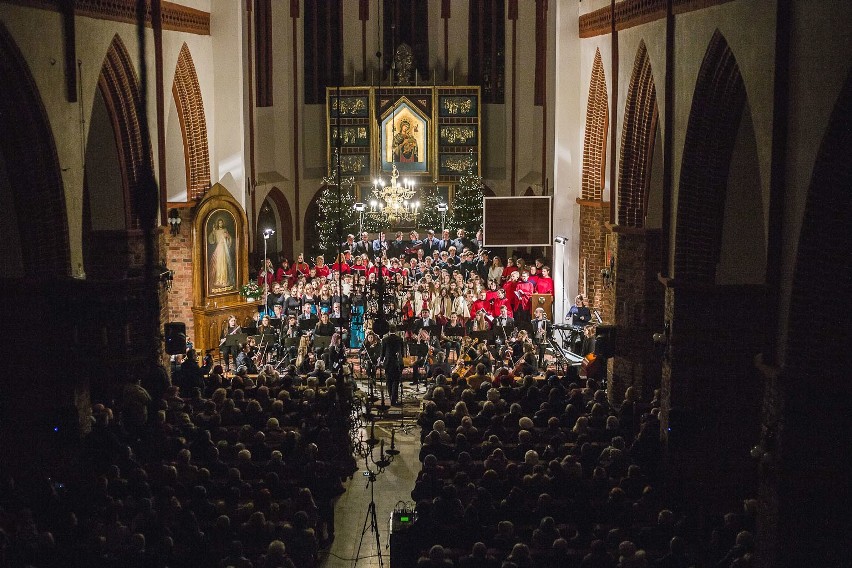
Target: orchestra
pixel 447 295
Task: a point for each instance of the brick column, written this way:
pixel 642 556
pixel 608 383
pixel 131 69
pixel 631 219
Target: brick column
pixel 178 254
pixel 593 230
pixel 638 308
pixel 711 391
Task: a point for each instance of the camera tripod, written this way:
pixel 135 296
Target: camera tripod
pixel 372 519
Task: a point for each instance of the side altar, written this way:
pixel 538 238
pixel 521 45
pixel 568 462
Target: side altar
pixel 220 266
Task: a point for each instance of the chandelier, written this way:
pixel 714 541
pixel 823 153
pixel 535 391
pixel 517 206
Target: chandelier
pixel 393 203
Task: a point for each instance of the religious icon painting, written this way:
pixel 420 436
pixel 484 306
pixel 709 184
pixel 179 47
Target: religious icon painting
pixel 405 139
pixel 220 233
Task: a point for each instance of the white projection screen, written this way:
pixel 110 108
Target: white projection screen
pixel 518 221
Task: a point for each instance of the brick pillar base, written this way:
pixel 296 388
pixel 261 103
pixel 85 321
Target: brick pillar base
pixel 711 391
pixel 178 254
pixel 638 306
pixel 593 231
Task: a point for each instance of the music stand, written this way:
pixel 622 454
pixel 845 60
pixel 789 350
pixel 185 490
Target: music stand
pixel 434 330
pixel 234 340
pixel 483 335
pixel 321 342
pixel 525 325
pixel 307 324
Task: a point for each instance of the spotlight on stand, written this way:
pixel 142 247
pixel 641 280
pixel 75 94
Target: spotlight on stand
pixel 174 222
pixel 442 209
pixel 562 241
pixel 360 207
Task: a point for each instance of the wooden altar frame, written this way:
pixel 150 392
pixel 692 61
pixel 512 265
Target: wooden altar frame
pixel 211 311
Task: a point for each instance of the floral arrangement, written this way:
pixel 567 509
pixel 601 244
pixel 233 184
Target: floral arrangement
pixel 251 290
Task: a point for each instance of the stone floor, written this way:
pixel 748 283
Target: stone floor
pixel 392 487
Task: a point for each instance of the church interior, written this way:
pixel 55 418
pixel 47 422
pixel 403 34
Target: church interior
pixel 681 166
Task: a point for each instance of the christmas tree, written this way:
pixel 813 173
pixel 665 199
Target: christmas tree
pixel 467 202
pixel 337 217
pixel 429 217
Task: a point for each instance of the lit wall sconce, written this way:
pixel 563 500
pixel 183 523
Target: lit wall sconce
pixel 662 341
pixel 608 273
pixel 166 276
pixel 174 222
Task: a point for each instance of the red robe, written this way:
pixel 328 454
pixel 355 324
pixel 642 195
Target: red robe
pixel 526 290
pixel 544 286
pixel 498 303
pixel 342 268
pixel 480 304
pixel 322 271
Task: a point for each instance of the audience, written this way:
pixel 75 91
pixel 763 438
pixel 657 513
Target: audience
pixel 210 474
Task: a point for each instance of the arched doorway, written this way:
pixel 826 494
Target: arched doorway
pixel 275 214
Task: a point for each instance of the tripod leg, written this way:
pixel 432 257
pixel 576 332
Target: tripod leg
pixel 375 527
pixel 369 517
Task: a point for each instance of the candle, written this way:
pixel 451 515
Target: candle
pixel 382 449
pixel 393 438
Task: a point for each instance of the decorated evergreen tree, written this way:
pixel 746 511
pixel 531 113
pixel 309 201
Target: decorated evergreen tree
pixel 336 219
pixel 429 217
pixel 466 212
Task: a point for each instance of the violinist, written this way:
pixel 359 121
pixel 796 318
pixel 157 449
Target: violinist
pixel 521 345
pixel 335 355
pixel 483 357
pixel 422 339
pixel 369 354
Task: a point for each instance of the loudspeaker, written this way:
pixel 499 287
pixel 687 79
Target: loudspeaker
pixel 605 341
pixel 175 334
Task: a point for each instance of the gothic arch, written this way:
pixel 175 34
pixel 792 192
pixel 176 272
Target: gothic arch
pixel 637 142
pixel 285 218
pixel 594 140
pixel 119 87
pixel 714 120
pixel 34 179
pixel 193 125
pixel 817 357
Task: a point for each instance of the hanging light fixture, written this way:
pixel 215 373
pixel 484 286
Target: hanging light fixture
pixel 394 202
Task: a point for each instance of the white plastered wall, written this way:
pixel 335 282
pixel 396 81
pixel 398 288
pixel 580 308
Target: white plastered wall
pixel 568 106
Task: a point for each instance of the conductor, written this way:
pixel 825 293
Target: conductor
pixel 391 361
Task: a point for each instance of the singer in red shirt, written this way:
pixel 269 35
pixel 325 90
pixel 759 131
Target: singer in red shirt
pixel 544 285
